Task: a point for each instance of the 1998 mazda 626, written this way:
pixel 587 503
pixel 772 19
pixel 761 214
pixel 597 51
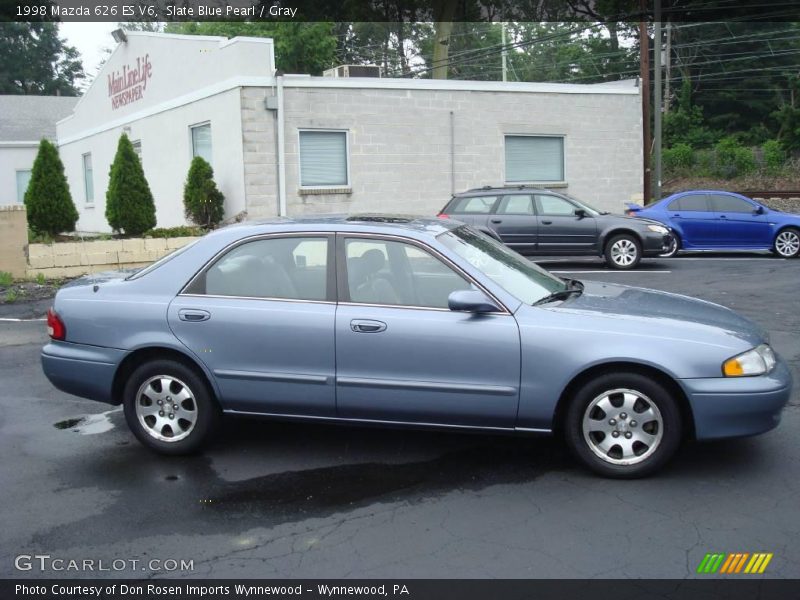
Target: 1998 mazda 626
pixel 413 322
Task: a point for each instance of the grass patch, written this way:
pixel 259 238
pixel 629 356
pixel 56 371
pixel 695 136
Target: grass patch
pixel 11 296
pixel 6 278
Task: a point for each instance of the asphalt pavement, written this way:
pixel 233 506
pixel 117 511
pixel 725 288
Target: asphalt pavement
pixel 290 500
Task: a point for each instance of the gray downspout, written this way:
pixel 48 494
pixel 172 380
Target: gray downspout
pixel 452 153
pixel 281 152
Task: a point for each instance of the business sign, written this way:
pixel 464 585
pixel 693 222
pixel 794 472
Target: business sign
pixel 128 84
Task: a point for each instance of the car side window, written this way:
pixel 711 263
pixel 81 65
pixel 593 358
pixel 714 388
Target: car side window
pixel 690 203
pixel 516 204
pixel 730 204
pixel 553 206
pixel 398 274
pixel 477 205
pixel 292 268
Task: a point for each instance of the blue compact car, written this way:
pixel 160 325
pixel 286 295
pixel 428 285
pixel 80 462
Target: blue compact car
pixel 717 220
pixel 404 321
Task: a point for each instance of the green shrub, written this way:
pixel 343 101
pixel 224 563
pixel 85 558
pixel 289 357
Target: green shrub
pixel 129 202
pixel 774 156
pixel 36 237
pixel 47 199
pixel 40 279
pixel 680 156
pixel 733 159
pixel 6 278
pixel 172 232
pixel 203 203
pixel 11 296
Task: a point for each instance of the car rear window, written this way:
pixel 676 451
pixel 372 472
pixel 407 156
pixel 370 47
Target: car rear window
pixel 479 205
pixel 693 202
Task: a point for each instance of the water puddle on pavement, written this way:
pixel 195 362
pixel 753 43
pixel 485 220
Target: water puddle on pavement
pixel 89 424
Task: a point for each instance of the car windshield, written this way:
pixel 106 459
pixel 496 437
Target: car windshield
pixel 588 208
pixel 518 276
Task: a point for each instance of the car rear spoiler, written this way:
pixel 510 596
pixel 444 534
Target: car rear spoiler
pixel 631 208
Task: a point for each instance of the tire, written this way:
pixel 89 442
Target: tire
pixel 673 248
pixel 608 404
pixel 787 243
pixel 180 428
pixel 623 251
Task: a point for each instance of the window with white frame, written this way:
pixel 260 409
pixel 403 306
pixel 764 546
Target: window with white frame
pixel 88 178
pixel 534 158
pixel 324 159
pixel 201 141
pixel 23 179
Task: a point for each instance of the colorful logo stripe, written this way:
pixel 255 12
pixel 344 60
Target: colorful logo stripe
pixel 734 562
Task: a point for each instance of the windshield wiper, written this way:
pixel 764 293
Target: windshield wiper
pixel 573 287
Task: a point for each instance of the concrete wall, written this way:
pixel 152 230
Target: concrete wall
pixel 13 158
pixel 13 239
pixel 70 259
pixel 400 144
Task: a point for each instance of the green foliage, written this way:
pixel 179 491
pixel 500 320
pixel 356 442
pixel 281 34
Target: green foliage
pixel 680 156
pixel 299 47
pixel 733 159
pixel 774 156
pixel 40 279
pixel 685 125
pixel 129 202
pixel 203 203
pixel 35 60
pixel 6 278
pixel 172 232
pixel 47 199
pixel 35 237
pixel 11 296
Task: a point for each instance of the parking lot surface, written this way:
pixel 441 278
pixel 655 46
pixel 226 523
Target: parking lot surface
pixel 288 500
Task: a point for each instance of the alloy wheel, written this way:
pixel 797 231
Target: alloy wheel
pixel 787 244
pixel 166 408
pixel 622 426
pixel 624 252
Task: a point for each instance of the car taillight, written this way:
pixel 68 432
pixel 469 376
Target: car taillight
pixel 443 216
pixel 630 212
pixel 55 326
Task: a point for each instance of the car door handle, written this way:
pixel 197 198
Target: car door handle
pixel 723 217
pixel 193 315
pixel 367 326
pixel 547 222
pixel 497 221
pixel 676 215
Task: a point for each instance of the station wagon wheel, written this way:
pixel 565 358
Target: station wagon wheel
pixel 169 407
pixel 623 425
pixel 787 243
pixel 623 251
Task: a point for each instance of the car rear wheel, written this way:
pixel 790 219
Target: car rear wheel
pixel 674 246
pixel 623 251
pixel 623 425
pixel 787 243
pixel 169 408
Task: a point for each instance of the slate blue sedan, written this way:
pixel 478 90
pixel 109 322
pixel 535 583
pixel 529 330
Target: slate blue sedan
pixel 719 220
pixel 404 321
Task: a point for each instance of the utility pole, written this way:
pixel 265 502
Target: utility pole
pixel 657 98
pixel 644 81
pixel 668 67
pixel 505 51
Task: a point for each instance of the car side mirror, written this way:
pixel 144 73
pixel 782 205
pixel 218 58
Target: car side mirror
pixel 759 210
pixel 580 213
pixel 471 301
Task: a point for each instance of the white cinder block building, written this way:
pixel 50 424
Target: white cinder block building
pixel 296 144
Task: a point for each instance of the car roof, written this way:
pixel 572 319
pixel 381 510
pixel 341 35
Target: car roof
pixel 415 225
pixel 518 189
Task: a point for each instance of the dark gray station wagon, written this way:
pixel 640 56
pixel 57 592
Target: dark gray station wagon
pixel 535 221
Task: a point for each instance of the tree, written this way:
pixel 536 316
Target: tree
pixel 47 199
pixel 299 47
pixel 35 60
pixel 203 203
pixel 129 202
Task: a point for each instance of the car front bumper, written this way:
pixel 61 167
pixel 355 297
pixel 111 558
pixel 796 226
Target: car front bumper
pixel 654 244
pixel 725 407
pixel 81 370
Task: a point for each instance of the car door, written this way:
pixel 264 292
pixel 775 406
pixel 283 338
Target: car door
pixel 514 221
pixel 560 230
pixel 739 224
pixel 403 356
pixel 261 318
pixel 693 217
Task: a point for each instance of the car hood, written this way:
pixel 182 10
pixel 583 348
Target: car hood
pixel 667 313
pixel 630 221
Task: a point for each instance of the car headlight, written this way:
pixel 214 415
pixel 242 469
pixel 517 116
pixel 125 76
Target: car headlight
pixel 757 361
pixel 658 229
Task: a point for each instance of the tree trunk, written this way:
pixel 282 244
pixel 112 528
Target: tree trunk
pixel 444 11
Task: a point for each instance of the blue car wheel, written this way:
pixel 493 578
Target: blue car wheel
pixel 787 243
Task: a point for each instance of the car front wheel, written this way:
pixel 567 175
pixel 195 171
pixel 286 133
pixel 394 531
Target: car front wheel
pixel 674 246
pixel 623 251
pixel 169 408
pixel 623 425
pixel 787 243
